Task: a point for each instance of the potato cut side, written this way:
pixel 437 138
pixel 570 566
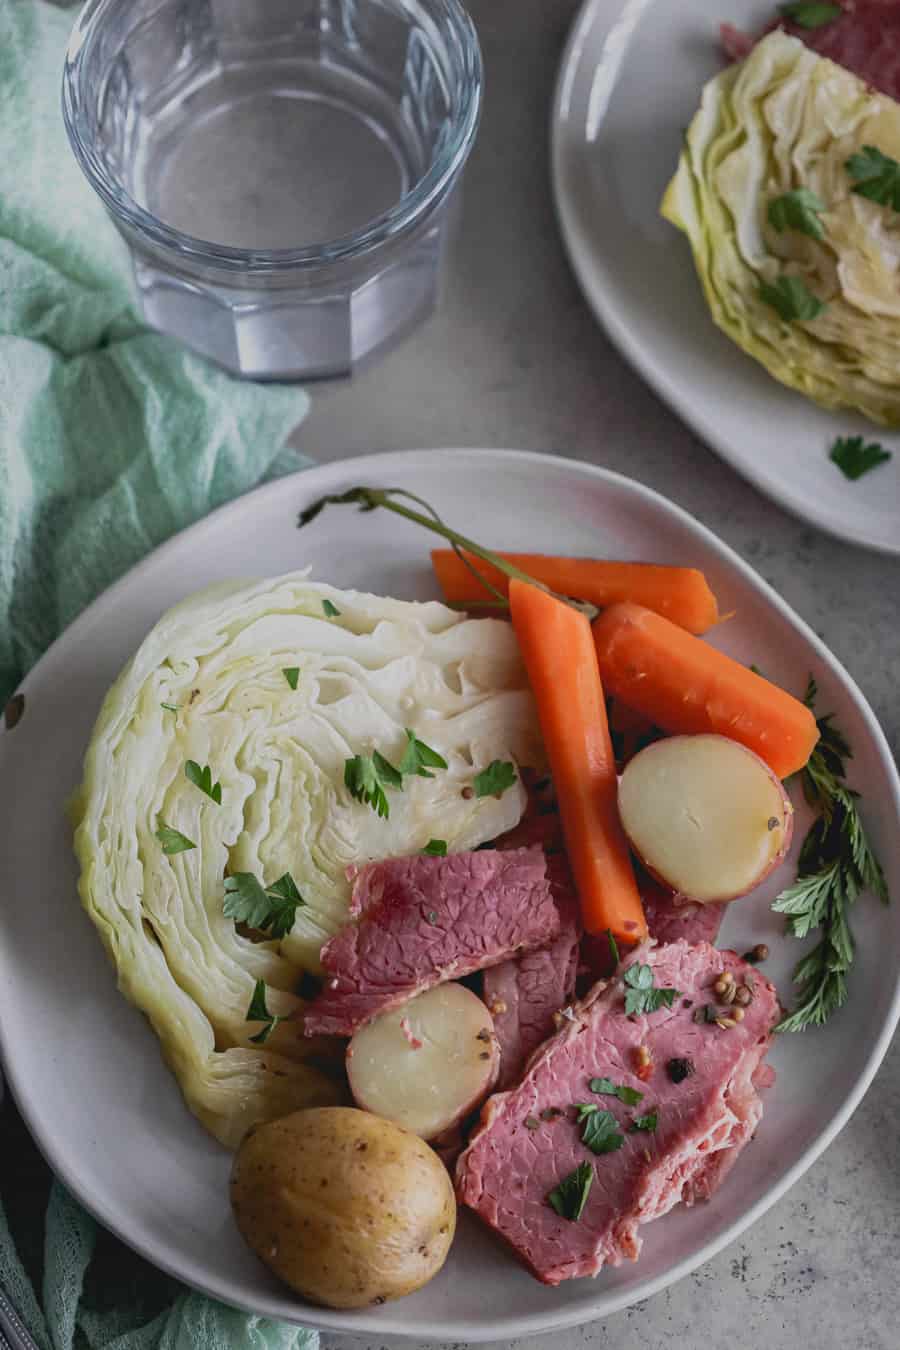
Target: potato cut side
pixel 705 815
pixel 426 1064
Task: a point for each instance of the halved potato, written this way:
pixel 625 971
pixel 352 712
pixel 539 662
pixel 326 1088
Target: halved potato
pixel 705 815
pixel 426 1064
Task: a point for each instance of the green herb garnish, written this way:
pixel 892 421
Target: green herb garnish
pixel 791 297
pixel 630 1096
pixel 259 1012
pixel 202 778
pixel 641 995
pixel 367 776
pixel 270 909
pixel 436 848
pixel 600 1129
pixel 170 707
pixel 613 948
pixel 418 758
pixel 173 841
pixel 797 210
pixel 330 611
pixel 292 675
pixel 810 13
pixel 570 1196
pixel 876 176
pixel 495 779
pixel 836 863
pixel 854 457
pixel 647 1122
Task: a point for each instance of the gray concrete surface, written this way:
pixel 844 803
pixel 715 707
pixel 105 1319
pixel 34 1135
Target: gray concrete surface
pixel 514 359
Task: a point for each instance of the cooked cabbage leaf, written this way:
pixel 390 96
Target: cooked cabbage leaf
pixel 367 674
pixel 782 121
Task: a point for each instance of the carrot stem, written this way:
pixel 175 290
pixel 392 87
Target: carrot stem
pixel 559 655
pixel 685 686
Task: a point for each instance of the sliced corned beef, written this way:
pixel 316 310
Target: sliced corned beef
pixel 668 920
pixel 864 38
pixel 699 1082
pixel 423 920
pixel 523 994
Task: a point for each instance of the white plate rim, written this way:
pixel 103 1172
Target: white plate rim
pixel 578 250
pixel 325 478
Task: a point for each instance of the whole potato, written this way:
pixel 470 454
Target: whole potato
pixel 346 1208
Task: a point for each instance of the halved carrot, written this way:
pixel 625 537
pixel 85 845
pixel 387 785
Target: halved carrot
pixel 685 686
pixel 680 593
pixel 558 651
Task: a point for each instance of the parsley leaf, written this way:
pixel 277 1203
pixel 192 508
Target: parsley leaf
pixel 797 210
pixel 173 841
pixel 810 13
pixel 366 777
pixel 259 1012
pixel 292 675
pixel 791 298
pixel 330 611
pixel 202 778
pixel 854 457
pixel 630 1096
pixel 600 1129
pixel 271 910
pixel 436 848
pixel 170 707
pixel 495 779
pixel 570 1196
pixel 647 1122
pixel 876 176
pixel 418 757
pixel 641 996
pixel 613 948
pixel 836 864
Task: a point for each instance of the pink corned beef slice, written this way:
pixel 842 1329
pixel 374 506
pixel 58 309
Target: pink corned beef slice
pixel 698 1077
pixel 523 994
pixel 668 920
pixel 422 920
pixel 864 38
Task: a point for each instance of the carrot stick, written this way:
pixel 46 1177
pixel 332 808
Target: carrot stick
pixel 679 593
pixel 685 686
pixel 555 641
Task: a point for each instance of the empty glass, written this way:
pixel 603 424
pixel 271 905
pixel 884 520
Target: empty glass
pixel 282 170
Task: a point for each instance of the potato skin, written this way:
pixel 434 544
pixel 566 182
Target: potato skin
pixel 348 1209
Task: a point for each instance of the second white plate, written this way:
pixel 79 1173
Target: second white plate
pixel 629 84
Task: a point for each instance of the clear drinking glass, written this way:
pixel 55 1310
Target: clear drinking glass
pixel 282 170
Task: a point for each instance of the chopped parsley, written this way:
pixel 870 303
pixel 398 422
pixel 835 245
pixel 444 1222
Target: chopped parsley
pixel 170 707
pixel 495 779
pixel 791 298
pixel 647 1122
pixel 173 841
pixel 419 758
pixel 810 13
pixel 641 995
pixel 292 675
pixel 202 778
pixel 259 1012
pixel 854 457
pixel 570 1196
pixel 367 776
pixel 797 210
pixel 330 611
pixel 436 848
pixel 269 909
pixel 875 176
pixel 599 1128
pixel 630 1096
pixel 613 948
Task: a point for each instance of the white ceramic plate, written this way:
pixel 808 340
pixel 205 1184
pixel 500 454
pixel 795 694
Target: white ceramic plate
pixel 629 84
pixel 84 1066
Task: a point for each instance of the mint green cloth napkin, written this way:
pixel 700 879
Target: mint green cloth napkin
pixel 111 439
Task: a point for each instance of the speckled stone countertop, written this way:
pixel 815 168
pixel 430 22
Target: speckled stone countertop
pixel 514 359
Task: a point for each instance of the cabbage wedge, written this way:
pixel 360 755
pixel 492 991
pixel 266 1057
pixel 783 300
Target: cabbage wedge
pixel 274 685
pixel 786 119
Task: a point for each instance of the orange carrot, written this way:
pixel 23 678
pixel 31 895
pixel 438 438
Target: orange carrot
pixel 686 686
pixel 679 593
pixel 555 641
